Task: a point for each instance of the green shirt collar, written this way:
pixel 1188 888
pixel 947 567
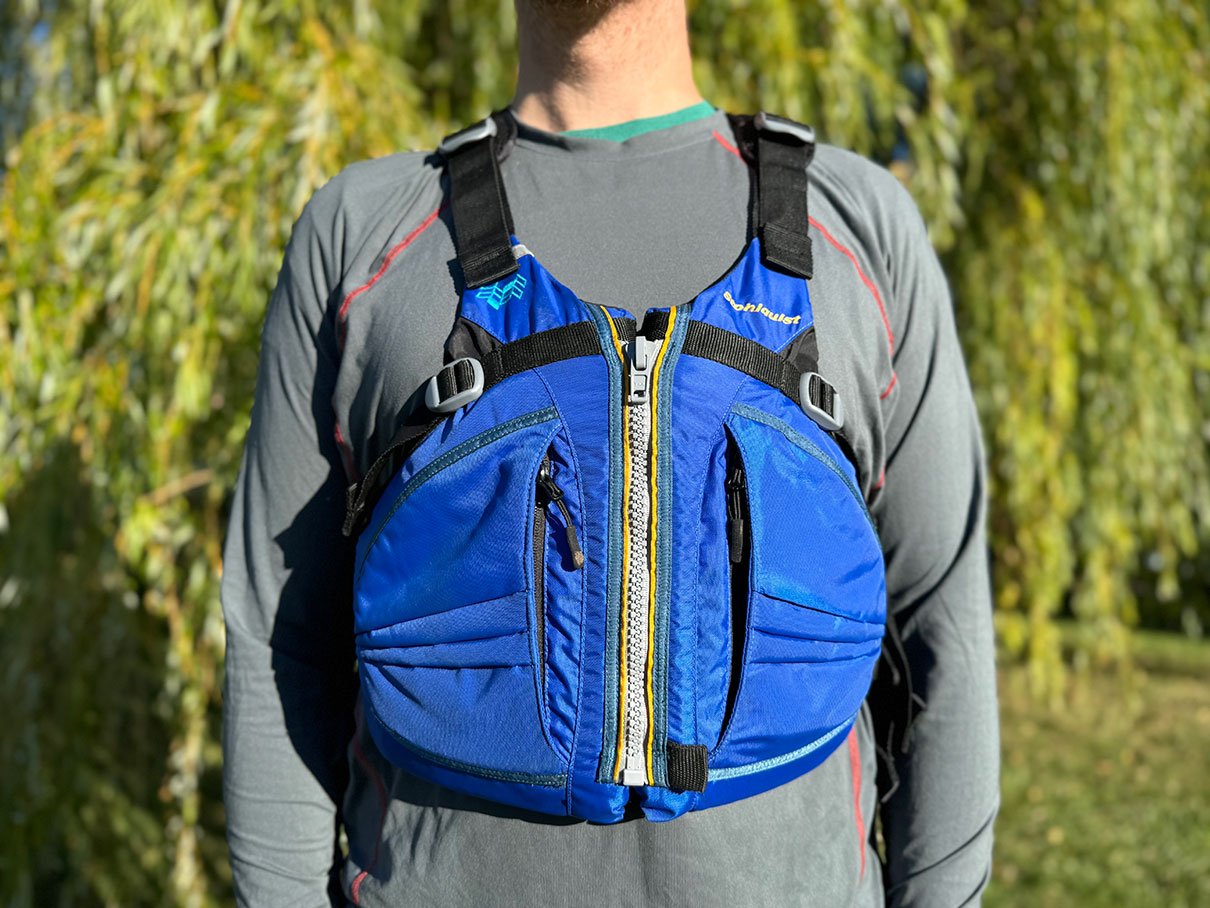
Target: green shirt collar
pixel 620 132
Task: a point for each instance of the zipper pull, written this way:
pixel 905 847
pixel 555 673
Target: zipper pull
pixel 547 483
pixel 638 369
pixel 735 514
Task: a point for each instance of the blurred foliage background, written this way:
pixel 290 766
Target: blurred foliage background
pixel 156 152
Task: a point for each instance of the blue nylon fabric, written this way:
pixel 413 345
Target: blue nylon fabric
pixel 578 388
pixel 516 397
pixel 667 529
pixel 734 788
pixel 433 705
pixel 581 389
pixel 522 303
pixel 542 794
pixel 699 656
pixel 456 688
pixel 485 498
pixel 750 297
pixel 840 570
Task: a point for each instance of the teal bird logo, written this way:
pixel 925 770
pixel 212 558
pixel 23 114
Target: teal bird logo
pixel 499 293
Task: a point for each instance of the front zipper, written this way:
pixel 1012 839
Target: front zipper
pixel 641 359
pixel 547 491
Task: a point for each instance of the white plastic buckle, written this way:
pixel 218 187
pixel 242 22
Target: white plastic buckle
pixel 484 129
pixel 432 394
pixel 831 422
pixel 767 122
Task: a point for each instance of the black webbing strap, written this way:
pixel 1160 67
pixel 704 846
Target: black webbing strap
pixel 758 361
pixel 781 151
pixel 540 349
pixel 483 224
pixel 744 354
pixel 530 352
pixel 455 378
pixel 687 766
pixel 361 496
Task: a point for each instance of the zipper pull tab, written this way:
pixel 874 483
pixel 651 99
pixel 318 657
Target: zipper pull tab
pixel 547 483
pixel 638 369
pixel 577 556
pixel 735 515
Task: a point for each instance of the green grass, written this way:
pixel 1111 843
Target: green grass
pixel 1106 797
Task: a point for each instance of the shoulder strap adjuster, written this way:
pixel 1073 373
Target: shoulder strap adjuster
pixel 456 385
pixel 476 132
pixel 767 122
pixel 819 400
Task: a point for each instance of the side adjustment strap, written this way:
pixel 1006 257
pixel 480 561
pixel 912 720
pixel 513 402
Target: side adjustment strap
pixel 483 223
pixel 809 390
pixel 457 384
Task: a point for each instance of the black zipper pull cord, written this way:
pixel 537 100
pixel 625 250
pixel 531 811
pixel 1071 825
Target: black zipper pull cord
pixel 735 514
pixel 555 494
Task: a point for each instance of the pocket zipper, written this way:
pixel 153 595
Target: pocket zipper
pixel 736 487
pixel 548 488
pixel 554 495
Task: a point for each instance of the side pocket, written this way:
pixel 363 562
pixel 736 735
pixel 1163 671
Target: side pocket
pixel 810 581
pixel 442 603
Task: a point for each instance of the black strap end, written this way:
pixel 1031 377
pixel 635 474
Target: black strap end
pixel 479 271
pixel 788 250
pixel 687 766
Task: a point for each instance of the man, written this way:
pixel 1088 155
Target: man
pixel 631 189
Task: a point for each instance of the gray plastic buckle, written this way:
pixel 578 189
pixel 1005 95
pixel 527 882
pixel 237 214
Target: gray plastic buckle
pixel 831 422
pixel 484 129
pixel 432 394
pixel 767 122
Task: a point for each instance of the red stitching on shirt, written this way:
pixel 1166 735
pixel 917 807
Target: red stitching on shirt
pixel 886 393
pixel 359 754
pixel 847 253
pixel 386 263
pixel 718 137
pixel 346 452
pixel 855 765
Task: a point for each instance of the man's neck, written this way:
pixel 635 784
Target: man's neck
pixel 581 69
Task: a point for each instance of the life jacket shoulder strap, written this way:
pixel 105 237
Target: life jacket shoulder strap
pixel 483 223
pixel 779 151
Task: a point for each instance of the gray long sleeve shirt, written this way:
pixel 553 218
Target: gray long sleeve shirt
pixel 363 304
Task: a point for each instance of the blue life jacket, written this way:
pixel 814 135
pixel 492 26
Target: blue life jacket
pixel 608 565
